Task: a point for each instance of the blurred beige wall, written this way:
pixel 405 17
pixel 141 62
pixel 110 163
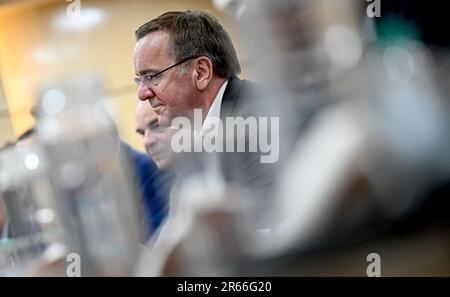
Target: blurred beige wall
pixel 39 43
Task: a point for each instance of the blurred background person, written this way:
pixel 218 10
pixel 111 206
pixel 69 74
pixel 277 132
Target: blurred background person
pixel 156 142
pixel 156 139
pixel 153 185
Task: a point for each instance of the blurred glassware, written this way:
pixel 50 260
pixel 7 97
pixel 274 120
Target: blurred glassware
pixel 32 222
pixel 93 181
pixel 371 129
pixel 71 190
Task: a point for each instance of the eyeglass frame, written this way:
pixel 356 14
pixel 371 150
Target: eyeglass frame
pixel 149 77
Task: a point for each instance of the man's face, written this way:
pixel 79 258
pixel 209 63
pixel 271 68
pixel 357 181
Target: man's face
pixel 156 138
pixel 174 95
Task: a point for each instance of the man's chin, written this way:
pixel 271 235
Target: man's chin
pixel 163 164
pixel 161 160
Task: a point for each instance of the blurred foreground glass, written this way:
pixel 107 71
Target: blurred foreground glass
pixel 92 180
pixel 374 128
pixel 89 185
pixel 32 222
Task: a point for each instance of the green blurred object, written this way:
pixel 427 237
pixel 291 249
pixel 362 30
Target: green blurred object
pixel 391 29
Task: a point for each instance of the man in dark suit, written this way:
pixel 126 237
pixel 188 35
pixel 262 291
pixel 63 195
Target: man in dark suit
pixel 186 61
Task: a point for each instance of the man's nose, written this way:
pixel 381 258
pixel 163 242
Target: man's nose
pixel 145 93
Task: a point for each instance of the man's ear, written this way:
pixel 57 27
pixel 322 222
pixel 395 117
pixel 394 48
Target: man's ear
pixel 203 73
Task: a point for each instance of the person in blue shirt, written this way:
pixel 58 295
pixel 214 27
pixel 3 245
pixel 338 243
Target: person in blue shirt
pixel 155 141
pixel 154 185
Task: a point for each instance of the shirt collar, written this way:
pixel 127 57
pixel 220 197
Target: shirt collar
pixel 214 111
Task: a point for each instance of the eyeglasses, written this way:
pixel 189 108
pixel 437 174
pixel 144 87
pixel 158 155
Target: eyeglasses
pixel 152 79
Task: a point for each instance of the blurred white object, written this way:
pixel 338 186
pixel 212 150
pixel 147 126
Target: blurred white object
pixel 72 191
pixel 201 236
pixel 235 7
pixel 94 185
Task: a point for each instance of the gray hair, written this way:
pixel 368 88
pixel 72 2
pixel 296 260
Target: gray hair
pixel 196 33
